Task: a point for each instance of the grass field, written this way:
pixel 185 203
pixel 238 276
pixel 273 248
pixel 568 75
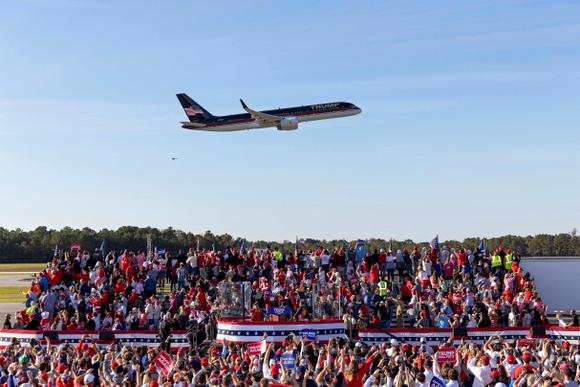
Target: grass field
pixel 22 267
pixel 13 293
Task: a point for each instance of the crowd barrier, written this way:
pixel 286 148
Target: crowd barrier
pixel 252 331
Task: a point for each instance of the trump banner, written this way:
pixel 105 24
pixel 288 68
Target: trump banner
pixel 308 334
pixel 280 310
pixel 164 363
pixel 257 348
pixel 288 360
pixel 526 342
pixel 446 355
pixel 436 382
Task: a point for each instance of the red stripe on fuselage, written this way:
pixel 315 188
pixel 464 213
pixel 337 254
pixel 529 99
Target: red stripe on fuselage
pixel 289 115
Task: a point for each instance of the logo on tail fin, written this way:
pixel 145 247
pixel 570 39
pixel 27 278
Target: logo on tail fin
pixel 190 111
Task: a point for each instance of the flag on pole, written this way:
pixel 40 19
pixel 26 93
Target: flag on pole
pixel 435 244
pixel 391 245
pixel 243 247
pixel 482 248
pixel 102 249
pixel 197 245
pixel 360 250
pixel 56 251
pixel 296 247
pixel 149 245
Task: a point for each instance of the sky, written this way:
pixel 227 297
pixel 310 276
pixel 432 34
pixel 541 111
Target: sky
pixel 470 122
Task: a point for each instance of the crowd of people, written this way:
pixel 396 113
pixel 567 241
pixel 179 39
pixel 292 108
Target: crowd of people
pixel 427 287
pixel 446 288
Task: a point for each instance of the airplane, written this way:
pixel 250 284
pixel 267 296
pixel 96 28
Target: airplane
pixel 283 119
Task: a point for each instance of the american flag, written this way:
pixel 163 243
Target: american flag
pixel 482 248
pixel 102 249
pixel 435 244
pixel 192 112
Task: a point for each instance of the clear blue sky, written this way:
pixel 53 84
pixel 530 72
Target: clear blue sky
pixel 470 123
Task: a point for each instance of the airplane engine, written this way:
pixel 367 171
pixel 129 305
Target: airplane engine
pixel 289 123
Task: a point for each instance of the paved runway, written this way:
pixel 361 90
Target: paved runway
pixel 12 279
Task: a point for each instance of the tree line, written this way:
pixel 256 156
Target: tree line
pixel 38 245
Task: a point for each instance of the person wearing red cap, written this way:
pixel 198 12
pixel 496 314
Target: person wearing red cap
pixel 511 363
pixel 524 368
pixel 481 372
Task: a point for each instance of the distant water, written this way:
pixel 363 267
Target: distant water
pixel 557 280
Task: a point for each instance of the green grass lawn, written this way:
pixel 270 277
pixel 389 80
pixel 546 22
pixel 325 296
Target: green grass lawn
pixel 24 267
pixel 13 293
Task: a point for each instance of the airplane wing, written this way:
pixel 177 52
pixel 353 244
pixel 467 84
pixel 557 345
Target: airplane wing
pixel 262 118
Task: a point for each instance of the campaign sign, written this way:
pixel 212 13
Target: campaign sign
pixel 288 360
pixel 446 355
pixel 164 363
pixel 308 334
pixel 526 342
pixel 436 382
pixel 257 348
pixel 280 310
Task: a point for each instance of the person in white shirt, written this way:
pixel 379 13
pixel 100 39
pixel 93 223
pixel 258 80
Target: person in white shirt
pixel 192 263
pixel 428 365
pixel 426 347
pixel 481 372
pixel 511 363
pixel 561 322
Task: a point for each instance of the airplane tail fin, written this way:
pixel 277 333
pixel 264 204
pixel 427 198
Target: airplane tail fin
pixel 194 111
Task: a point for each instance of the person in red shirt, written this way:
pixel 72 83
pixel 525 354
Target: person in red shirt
pixel 355 374
pixel 374 275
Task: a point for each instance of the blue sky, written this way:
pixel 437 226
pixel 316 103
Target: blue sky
pixel 470 123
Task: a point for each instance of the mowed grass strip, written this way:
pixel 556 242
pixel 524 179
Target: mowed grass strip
pixel 13 293
pixel 22 267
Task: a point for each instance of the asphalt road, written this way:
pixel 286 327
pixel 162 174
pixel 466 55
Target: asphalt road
pixel 12 279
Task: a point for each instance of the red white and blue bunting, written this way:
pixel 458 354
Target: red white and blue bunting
pixel 477 335
pixel 253 331
pixel 132 338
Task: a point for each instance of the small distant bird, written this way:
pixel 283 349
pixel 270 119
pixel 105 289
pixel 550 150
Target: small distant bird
pixel 174 158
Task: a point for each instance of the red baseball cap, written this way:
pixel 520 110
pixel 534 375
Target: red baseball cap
pixel 484 360
pixel 511 359
pixel 495 373
pixel 526 356
pixel 274 370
